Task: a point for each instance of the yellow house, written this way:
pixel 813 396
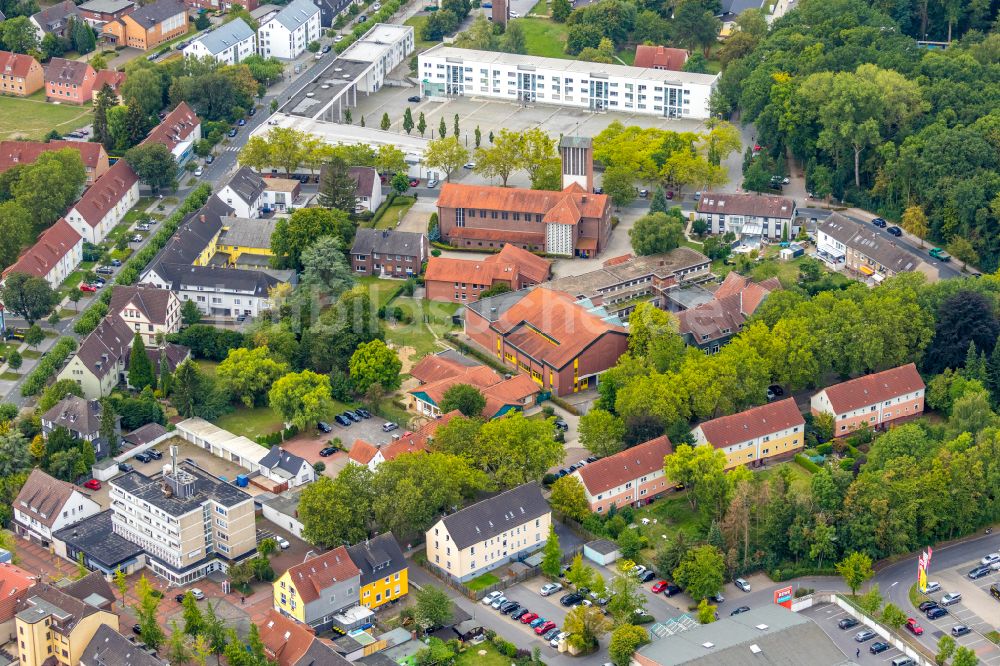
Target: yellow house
pixel 760 433
pixel 314 591
pixel 240 237
pixel 383 570
pixel 56 625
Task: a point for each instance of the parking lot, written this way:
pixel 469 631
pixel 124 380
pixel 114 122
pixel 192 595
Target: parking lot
pixel 828 615
pixel 308 444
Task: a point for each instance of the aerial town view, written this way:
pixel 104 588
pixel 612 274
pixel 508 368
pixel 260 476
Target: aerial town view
pixel 499 332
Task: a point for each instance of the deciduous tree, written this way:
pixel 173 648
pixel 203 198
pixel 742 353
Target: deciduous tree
pixel 625 640
pixel 154 164
pixel 701 571
pixel 569 498
pixel 586 625
pixel 247 374
pixel 374 363
pixel 446 154
pixel 602 433
pixel 302 398
pixel 552 555
pixel 855 569
pixel 465 398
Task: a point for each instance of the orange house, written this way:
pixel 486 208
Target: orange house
pixel 20 74
pixel 148 26
pixel 69 81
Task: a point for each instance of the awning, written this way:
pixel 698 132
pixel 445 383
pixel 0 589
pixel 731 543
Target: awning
pixel 866 270
pixel 586 244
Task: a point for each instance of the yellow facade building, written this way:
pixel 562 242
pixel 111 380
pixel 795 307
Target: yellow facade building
pixel 240 241
pixel 773 430
pixel 316 590
pixel 383 570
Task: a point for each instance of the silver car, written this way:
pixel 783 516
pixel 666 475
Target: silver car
pixel 950 598
pixel 742 584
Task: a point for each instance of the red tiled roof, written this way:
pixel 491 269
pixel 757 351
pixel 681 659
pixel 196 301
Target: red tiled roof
pixel 870 389
pixel 734 301
pixel 615 261
pixel 625 466
pixel 751 424
pixel 564 212
pixel 15 64
pixel 106 192
pixel 13 153
pixel 362 452
pixel 14 585
pixel 534 267
pixel 55 243
pixel 109 77
pixel 434 367
pixel 479 376
pixel 455 195
pixel 507 235
pixel 550 327
pixel 508 265
pixel 412 443
pixel 176 127
pixel 60 70
pixel 315 575
pixel 659 57
pixel 284 639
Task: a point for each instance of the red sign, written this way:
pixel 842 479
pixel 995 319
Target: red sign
pixel 783 596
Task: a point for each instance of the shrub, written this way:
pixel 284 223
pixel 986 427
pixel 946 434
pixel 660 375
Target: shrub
pixel 505 648
pixel 47 366
pixel 549 479
pixel 803 592
pixel 825 449
pixel 806 464
pixel 847 464
pixel 435 252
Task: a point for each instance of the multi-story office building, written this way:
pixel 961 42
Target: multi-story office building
pixel 189 522
pixel 446 71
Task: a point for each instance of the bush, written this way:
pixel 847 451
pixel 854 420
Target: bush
pixel 48 366
pixel 803 592
pixel 435 252
pixel 505 648
pixel 847 464
pixel 549 479
pixel 806 464
pixel 825 449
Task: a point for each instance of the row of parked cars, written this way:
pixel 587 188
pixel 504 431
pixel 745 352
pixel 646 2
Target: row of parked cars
pixel 547 629
pixel 345 419
pixel 988 563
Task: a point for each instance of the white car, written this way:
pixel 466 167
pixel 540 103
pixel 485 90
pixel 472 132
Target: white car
pixel 432 183
pixel 199 171
pixel 282 542
pixel 514 14
pixel 338 39
pixel 742 584
pixel 559 637
pixel 933 586
pixel 951 598
pixel 469 165
pixel 990 559
pixel 638 570
pixel 488 599
pixel 197 594
pixel 377 6
pixel 550 588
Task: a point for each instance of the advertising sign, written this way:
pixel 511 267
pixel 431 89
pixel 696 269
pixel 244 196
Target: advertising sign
pixel 923 563
pixel 783 596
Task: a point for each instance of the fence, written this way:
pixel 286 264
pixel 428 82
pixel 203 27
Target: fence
pixel 505 582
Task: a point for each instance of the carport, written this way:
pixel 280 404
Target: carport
pixel 222 443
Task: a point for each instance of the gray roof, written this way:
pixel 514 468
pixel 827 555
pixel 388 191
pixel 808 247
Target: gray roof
pixel 145 434
pixel 150 15
pixel 869 242
pixel 278 457
pixel 613 276
pixel 784 640
pixel 576 142
pixel 207 488
pixel 75 413
pixel 495 515
pixel 175 353
pixel 152 302
pixel 107 344
pixel 222 38
pixel 247 184
pixel 296 13
pixel 602 546
pixel 388 241
pixel 364 179
pixel 96 537
pixel 234 279
pixel 377 558
pixel 492 308
pixel 54 18
pixel 106 6
pixel 736 7
pixel 109 648
pixel 193 234
pixel 244 232
pixel 321 654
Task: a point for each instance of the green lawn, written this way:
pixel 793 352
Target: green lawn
pixel 7 347
pixel 430 319
pixel 673 514
pixel 379 289
pixel 627 55
pixel 541 7
pixel 393 214
pixel 208 367
pixel 32 117
pixel 31 353
pixel 10 375
pixel 544 37
pixel 482 582
pixel 418 25
pixel 250 422
pixel 471 656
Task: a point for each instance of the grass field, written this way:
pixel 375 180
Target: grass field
pixel 380 290
pixel 418 25
pixel 250 422
pixel 10 375
pixel 471 656
pixel 33 117
pixel 544 37
pixel 482 582
pixel 393 214
pixel 431 320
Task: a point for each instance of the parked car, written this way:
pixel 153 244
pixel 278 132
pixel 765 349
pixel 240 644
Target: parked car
pixel 253 110
pixel 933 586
pixel 413 98
pixel 491 597
pixel 136 238
pixel 940 254
pixel 741 609
pixel 116 262
pixel 671 590
pixel 549 589
pixel 544 627
pixel 469 165
pixel 143 457
pixel 528 618
pixel 848 622
pixel 363 413
pixel 93 484
pixel 571 599
pixel 324 426
pixel 669 194
pixel 518 614
pixel 643 193
pixel 414 182
pixel 326 49
pixel 560 636
pixel 990 559
pixel 926 606
pixel 432 183
pixel 125 467
pixel 537 622
pixel 648 576
pixel 638 570
pixel 341 420
pixel 87 287
pixel 936 612
pixel 507 607
pixel 351 416
pixel 895 231
pixel 232 132
pixel 550 636
pixel 742 584
pixel 499 601
pixel 362 18
pixel 156 454
pixel 659 586
pixel 880 222
pixel 951 598
pixel 389 426
pixel 104 270
pixel 282 542
pixel 878 647
pixel 338 39
pixel 978 572
pixel 197 172
pixel 864 636
pixel 136 629
pixel 960 630
pixel 561 424
pixel 913 626
pixel 327 451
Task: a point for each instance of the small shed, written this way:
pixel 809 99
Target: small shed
pixel 791 252
pixel 601 551
pixel 468 630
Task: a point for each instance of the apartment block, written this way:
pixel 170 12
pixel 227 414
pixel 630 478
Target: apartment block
pixel 751 437
pixel 632 477
pixel 878 400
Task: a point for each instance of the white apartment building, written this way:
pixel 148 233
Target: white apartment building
pixel 447 71
pixel 750 217
pixel 46 505
pixel 228 44
pixel 188 522
pixel 287 34
pixel 105 203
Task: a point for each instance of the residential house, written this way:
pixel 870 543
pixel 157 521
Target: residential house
pixel 389 253
pixel 181 545
pixel 46 504
pixel 149 25
pixel 289 643
pixel 368 188
pixel 146 310
pixel 101 361
pixel 244 192
pixel 179 131
pixel 479 538
pixel 244 242
pixel 330 10
pixel 82 418
pixel 20 74
pixel 418 441
pixel 384 571
pixel 623 282
pixel 280 194
pixel 660 57
pixel 55 625
pixel 438 373
pixel 287 34
pixel 105 203
pixel 286 468
pixel 754 436
pixel 316 590
pixel 109 77
pixel 752 218
pixel 711 325
pixel 110 648
pixel 69 81
pixel 633 477
pixel 843 243
pixel 561 342
pixel 573 222
pixel 55 19
pixel 99 12
pixel 15 585
pixel 877 400
pixel 229 44
pixel 94 539
pixel 56 254
pixel 461 280
pixel 94 158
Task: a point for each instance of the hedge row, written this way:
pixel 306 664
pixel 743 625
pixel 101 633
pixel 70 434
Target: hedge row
pixel 129 274
pixel 47 366
pixel 276 438
pixel 806 464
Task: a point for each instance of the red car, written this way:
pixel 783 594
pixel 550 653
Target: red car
pixel 659 587
pixel 414 182
pixel 915 629
pixel 93 484
pixel 545 626
pixel 670 194
pixel 87 287
pixel 526 619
